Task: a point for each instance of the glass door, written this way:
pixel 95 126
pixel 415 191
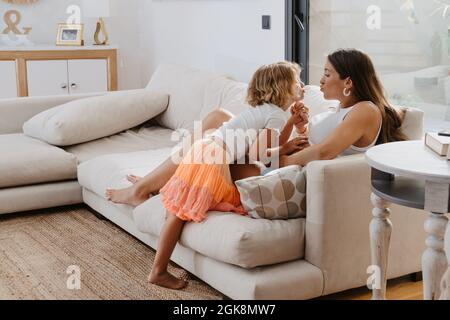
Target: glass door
pixel 408 41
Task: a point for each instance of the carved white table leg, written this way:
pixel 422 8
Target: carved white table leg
pixel 380 236
pixel 445 284
pixel 434 261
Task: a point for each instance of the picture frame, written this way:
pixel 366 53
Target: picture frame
pixel 70 34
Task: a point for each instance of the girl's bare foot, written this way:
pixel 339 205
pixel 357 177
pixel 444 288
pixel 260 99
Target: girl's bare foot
pixel 133 179
pixel 166 280
pixel 126 196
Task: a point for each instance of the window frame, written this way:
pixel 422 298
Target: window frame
pixel 297 40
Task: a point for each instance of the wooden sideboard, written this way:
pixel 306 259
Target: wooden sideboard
pixel 39 71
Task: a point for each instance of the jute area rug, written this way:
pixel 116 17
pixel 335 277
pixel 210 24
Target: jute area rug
pixel 68 253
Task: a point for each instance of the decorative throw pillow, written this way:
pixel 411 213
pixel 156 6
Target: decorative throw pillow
pixel 93 118
pixel 279 195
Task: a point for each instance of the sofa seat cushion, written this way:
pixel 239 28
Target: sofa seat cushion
pixel 134 140
pixel 26 161
pixel 231 238
pixel 110 171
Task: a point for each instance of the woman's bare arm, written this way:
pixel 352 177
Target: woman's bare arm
pixel 350 131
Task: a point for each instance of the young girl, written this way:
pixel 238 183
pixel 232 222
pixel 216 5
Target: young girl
pixel 199 186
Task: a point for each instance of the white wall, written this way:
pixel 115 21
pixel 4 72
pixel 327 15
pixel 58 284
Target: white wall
pixel 221 35
pixel 45 15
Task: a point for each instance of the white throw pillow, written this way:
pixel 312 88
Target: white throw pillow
pixel 94 118
pixel 225 93
pixel 186 87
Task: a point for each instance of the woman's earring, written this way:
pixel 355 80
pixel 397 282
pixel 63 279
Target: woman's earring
pixel 347 92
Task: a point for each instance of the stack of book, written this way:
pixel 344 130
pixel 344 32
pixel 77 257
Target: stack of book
pixel 438 143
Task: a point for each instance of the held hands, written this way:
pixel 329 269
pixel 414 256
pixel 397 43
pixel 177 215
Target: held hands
pixel 299 116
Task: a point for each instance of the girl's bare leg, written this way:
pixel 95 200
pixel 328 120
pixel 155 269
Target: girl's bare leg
pixel 142 189
pixel 243 171
pixel 169 237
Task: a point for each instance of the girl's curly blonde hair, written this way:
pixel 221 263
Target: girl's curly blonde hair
pixel 274 84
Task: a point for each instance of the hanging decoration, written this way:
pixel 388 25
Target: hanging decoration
pixel 442 6
pixel 409 7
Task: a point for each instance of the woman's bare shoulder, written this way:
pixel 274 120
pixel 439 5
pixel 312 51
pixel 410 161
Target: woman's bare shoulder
pixel 366 109
pixel 366 106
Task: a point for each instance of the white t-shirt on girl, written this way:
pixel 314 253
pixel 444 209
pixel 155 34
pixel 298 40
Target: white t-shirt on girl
pixel 242 130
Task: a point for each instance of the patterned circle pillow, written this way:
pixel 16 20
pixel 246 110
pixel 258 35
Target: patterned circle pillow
pixel 279 195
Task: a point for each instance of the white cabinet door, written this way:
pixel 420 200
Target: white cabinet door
pixel 8 81
pixel 88 75
pixel 46 78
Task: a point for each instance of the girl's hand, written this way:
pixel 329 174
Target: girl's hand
pixel 295 119
pixel 295 145
pixel 300 115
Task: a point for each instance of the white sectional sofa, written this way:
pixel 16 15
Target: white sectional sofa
pixel 326 252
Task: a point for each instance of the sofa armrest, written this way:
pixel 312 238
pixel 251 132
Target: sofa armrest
pixel 339 212
pixel 16 111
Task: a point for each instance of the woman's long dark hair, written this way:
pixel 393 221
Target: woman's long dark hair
pixel 356 65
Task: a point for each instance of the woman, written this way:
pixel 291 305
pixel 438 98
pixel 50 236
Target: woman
pixel 364 117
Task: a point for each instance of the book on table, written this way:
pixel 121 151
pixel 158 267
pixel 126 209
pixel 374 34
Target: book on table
pixel 437 143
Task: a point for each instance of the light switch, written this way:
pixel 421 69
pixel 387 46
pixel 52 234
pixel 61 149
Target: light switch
pixel 266 22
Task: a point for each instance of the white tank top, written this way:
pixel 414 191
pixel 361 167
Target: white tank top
pixel 323 124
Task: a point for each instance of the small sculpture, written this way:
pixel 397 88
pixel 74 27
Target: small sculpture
pixel 11 35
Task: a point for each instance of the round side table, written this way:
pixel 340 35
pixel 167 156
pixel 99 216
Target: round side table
pixel 409 174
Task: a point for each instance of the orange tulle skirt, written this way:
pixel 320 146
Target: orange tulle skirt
pixel 202 183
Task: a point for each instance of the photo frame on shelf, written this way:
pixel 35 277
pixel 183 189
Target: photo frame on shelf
pixel 70 35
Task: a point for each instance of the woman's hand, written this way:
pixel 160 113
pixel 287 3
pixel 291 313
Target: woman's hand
pixel 295 145
pixel 299 116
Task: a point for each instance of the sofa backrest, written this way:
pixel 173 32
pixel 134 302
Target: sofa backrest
pixel 186 88
pixel 225 93
pixel 413 124
pixel 194 93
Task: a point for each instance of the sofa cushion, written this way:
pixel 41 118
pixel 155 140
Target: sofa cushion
pixel 186 88
pixel 96 117
pixel 133 140
pixel 225 93
pixel 243 241
pixel 26 161
pixel 231 238
pixel 110 171
pixel 412 125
